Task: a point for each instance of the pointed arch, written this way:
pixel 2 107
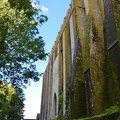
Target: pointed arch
pixel 55 104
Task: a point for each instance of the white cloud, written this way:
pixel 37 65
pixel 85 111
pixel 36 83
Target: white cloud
pixel 44 9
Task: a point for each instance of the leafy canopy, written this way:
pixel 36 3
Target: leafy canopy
pixel 11 102
pixel 20 41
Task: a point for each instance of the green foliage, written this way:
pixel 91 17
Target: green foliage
pixel 61 99
pixel 11 102
pixel 20 42
pixel 112 112
pixel 108 112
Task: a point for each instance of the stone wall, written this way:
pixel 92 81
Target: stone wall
pixel 83 74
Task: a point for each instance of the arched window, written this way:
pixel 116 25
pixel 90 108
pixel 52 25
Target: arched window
pixel 55 105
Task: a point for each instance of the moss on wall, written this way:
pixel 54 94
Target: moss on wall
pixel 87 43
pixel 114 56
pixel 110 73
pixel 97 70
pixel 93 53
pixel 112 113
pixel 80 20
pixel 78 106
pixel 112 52
pixel 116 6
pixel 67 66
pixel 97 49
pixel 97 56
pixel 60 76
pixel 78 102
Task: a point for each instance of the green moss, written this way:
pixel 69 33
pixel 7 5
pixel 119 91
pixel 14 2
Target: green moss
pixel 111 67
pixel 110 76
pixel 113 110
pixel 61 104
pixel 113 85
pixel 87 43
pixel 97 69
pixel 112 113
pixel 104 77
pixel 116 6
pixel 78 102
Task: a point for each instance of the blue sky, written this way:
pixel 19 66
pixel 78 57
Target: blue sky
pixel 55 10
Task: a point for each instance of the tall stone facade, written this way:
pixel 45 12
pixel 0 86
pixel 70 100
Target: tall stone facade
pixel 82 77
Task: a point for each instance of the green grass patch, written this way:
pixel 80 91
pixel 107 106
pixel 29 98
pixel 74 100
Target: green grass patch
pixel 112 110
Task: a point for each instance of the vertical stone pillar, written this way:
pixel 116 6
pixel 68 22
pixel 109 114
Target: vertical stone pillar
pixel 87 10
pixel 101 4
pixel 80 19
pixel 97 57
pixel 45 98
pixel 42 102
pixel 112 20
pixel 54 107
pixel 78 103
pixel 50 87
pixel 60 76
pixel 72 36
pixel 51 83
pixel 66 67
pixel 87 73
pixel 43 105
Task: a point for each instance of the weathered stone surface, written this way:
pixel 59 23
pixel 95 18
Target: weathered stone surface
pixel 83 74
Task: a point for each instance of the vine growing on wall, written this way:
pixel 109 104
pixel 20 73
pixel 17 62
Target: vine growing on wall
pixel 61 100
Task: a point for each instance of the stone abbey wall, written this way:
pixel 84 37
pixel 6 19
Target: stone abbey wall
pixel 83 74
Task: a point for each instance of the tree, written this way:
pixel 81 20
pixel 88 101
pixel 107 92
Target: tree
pixel 11 102
pixel 17 105
pixel 20 41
